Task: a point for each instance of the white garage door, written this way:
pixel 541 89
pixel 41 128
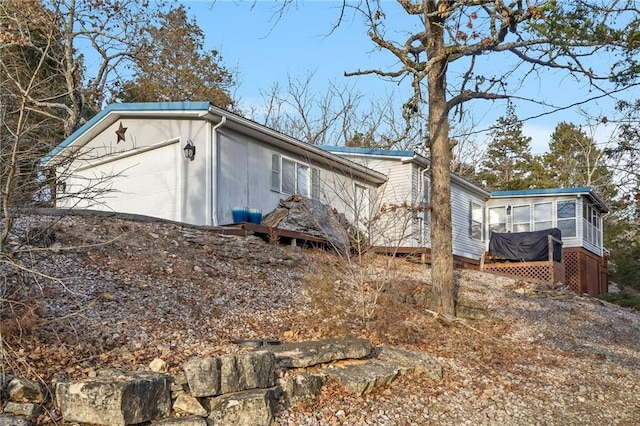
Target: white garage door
pixel 146 182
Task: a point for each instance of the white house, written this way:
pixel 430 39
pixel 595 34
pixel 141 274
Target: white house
pixel 476 213
pixel 408 187
pixel 131 158
pixel 577 212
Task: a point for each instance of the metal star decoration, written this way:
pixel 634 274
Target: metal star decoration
pixel 120 132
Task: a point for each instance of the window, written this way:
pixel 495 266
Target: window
pixel 521 218
pixel 291 177
pixel 567 218
pixel 315 183
pixel 275 172
pixel 591 225
pixel 542 216
pixel 288 177
pixel 476 221
pixel 497 219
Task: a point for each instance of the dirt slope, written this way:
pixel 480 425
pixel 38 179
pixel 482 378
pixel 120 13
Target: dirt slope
pixel 119 293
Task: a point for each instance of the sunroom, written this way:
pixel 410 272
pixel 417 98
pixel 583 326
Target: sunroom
pixel 577 212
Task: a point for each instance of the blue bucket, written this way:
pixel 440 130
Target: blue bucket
pixel 255 215
pixel 240 214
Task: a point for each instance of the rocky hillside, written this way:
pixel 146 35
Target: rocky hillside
pixel 112 292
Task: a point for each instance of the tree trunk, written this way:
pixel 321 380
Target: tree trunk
pixel 444 292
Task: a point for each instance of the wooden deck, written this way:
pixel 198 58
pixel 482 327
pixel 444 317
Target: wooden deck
pixel 542 271
pixel 272 234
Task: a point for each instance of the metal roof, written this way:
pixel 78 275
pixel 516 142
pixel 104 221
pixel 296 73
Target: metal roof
pixel 205 111
pixel 405 156
pixel 549 192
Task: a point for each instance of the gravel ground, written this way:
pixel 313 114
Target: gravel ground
pixel 119 293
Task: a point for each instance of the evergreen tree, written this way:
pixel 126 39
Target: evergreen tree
pixel 574 160
pixel 508 156
pixel 173 66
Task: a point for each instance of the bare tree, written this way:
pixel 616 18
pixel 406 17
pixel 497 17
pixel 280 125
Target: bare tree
pixel 109 33
pixel 339 116
pixel 442 47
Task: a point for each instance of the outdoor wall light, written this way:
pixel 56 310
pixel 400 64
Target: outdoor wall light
pixel 189 150
pixel 508 209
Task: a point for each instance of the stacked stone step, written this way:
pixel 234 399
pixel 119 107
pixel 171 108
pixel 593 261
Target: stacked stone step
pixel 238 389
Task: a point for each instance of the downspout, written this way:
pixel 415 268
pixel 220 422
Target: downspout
pixel 214 170
pixel 425 213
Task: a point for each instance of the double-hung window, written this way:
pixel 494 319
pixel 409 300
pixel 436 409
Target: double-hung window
pixel 497 219
pixel 542 216
pixel 292 177
pixel 522 218
pixel 567 218
pixel 476 221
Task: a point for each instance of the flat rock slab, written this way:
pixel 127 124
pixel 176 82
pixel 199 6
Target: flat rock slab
pixel 301 387
pixel 184 421
pixel 248 408
pixel 8 420
pixel 306 354
pixel 362 378
pixel 411 361
pixel 115 400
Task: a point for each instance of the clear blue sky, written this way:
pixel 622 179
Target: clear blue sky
pixel 264 51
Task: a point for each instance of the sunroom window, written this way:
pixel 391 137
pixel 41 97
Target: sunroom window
pixel 522 218
pixel 542 216
pixel 567 218
pixel 497 219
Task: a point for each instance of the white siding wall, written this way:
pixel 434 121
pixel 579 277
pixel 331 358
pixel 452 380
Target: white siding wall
pixel 394 224
pixel 244 177
pixel 404 229
pixel 145 174
pixel 463 244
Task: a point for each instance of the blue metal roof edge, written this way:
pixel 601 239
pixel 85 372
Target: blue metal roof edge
pixel 367 151
pixel 117 107
pixel 547 191
pixel 581 190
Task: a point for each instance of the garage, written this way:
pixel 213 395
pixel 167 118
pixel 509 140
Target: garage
pixel 143 181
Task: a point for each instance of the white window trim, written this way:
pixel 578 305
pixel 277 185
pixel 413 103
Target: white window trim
pixel 474 207
pixel 313 178
pixel 513 221
pixel 489 223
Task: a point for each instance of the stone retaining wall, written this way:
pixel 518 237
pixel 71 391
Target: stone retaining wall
pixel 239 389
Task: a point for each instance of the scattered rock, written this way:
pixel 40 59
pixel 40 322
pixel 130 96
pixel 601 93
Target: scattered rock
pixel 22 390
pixel 411 361
pixel 306 354
pixel 25 409
pixel 301 387
pixel 247 371
pixel 158 365
pixel 185 421
pixel 119 399
pixel 9 420
pixel 248 408
pixel 230 373
pixel 186 404
pixel 363 377
pixel 203 376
